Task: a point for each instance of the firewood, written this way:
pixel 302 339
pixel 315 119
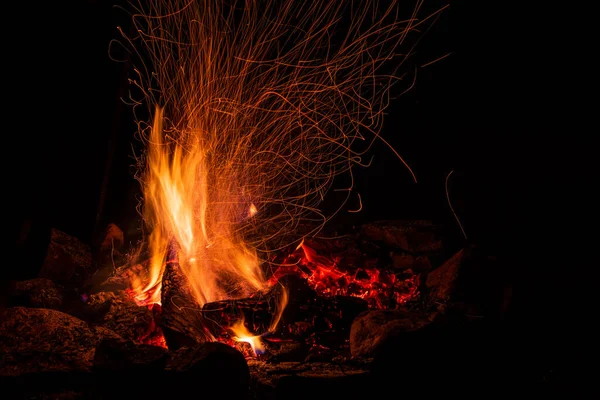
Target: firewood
pixel 181 318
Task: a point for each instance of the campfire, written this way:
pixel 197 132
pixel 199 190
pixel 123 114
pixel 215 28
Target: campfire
pixel 238 281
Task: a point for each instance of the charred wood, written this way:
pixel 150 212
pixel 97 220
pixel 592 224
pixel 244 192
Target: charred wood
pixel 182 320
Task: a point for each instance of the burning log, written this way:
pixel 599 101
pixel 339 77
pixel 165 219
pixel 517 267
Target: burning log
pixel 38 340
pixel 181 320
pixel 319 321
pixel 68 261
pixel 258 312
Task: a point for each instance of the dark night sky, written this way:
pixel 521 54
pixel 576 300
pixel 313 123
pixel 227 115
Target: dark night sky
pixel 501 111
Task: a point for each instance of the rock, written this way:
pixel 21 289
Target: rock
pixel 373 328
pixel 113 239
pixel 37 293
pixel 119 363
pixel 119 313
pixel 340 386
pixel 347 379
pixel 120 356
pixel 214 367
pixel 470 283
pixel 110 279
pixel 36 340
pixel 405 261
pixel 441 283
pixel 411 236
pixel 68 261
pixel 107 247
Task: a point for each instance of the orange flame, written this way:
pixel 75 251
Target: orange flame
pixel 261 108
pixel 242 334
pixel 187 203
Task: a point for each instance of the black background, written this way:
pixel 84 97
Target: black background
pixel 505 111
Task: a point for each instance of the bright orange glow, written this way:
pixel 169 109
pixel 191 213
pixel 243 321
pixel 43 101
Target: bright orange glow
pixel 187 203
pixel 253 210
pixel 241 334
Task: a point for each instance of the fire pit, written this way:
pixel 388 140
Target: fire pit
pixel 352 303
pixel 238 284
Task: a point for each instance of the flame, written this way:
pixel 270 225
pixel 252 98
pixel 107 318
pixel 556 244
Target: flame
pixel 252 105
pixel 186 202
pixel 242 334
pixel 252 210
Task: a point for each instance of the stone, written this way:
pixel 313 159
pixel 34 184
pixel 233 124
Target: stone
pixel 214 367
pixel 343 378
pixel 121 356
pixel 119 313
pixel 38 293
pixel 68 260
pixel 371 329
pixel 107 249
pixel 405 261
pixel 417 236
pixel 471 283
pixel 37 340
pixel 441 283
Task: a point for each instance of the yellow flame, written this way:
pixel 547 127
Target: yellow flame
pixel 186 203
pixel 242 334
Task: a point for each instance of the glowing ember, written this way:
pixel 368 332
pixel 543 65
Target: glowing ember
pixel 378 287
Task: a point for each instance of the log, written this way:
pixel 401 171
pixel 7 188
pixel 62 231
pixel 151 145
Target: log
pixel 257 312
pixel 182 320
pixel 315 320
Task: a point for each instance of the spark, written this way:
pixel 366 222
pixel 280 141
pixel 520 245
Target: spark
pixel 255 104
